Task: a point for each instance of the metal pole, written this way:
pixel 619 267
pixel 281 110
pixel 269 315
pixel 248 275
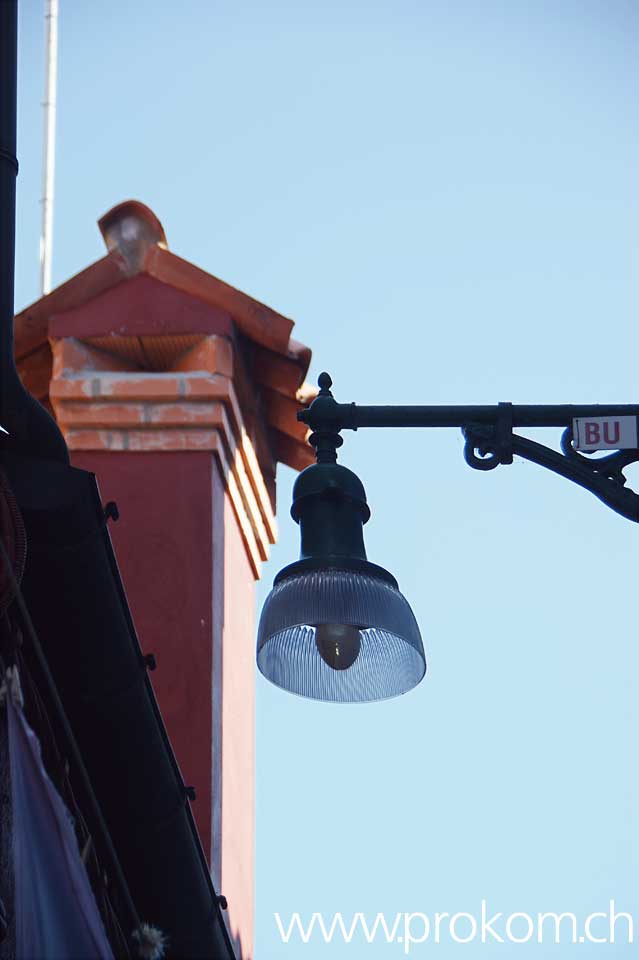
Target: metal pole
pixel 8 173
pixel 48 162
pixel 32 431
pixel 352 416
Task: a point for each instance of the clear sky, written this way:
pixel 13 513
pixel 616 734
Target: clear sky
pixel 443 196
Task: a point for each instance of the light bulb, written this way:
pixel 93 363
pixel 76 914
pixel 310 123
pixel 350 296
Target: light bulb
pixel 338 644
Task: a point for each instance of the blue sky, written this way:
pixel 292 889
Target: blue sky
pixel 443 195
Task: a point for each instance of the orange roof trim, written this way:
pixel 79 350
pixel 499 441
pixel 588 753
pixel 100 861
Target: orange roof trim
pixel 137 247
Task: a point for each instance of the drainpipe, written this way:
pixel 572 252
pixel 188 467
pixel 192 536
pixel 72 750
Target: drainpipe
pixel 31 431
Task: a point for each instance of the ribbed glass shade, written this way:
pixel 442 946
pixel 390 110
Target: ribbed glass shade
pixel 339 635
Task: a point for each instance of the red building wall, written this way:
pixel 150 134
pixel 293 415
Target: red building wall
pixel 190 587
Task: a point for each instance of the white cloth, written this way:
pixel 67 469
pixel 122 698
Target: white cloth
pixel 56 916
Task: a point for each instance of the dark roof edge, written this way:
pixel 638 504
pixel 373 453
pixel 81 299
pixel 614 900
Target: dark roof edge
pixel 77 602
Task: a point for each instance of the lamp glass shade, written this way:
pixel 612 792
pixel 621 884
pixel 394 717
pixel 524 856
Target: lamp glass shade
pixel 340 635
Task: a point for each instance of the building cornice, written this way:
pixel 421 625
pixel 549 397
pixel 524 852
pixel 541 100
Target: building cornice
pixel 101 404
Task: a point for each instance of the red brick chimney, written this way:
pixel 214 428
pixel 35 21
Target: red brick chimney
pixel 180 393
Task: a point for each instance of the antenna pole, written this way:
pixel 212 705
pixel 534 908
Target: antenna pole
pixel 48 162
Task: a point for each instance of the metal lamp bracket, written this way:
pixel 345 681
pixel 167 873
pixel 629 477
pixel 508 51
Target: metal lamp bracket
pixel 489 440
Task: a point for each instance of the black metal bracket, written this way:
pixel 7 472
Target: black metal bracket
pixel 484 449
pixel 111 511
pixel 493 442
pixel 489 438
pixel 150 662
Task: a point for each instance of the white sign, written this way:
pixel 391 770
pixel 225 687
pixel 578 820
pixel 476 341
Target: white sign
pixel 605 433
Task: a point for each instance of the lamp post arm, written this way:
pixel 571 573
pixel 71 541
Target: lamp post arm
pixel 489 437
pixel 352 416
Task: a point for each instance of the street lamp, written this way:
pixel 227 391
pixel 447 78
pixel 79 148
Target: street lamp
pixel 335 626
